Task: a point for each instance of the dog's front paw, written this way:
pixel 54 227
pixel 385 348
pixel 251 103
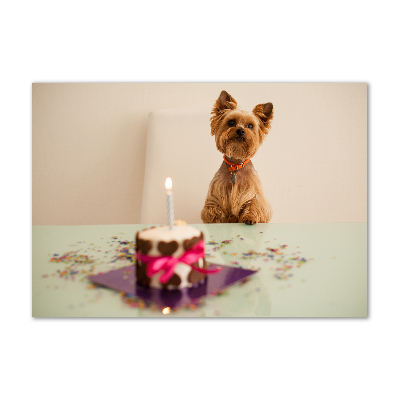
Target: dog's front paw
pixel 213 215
pixel 248 218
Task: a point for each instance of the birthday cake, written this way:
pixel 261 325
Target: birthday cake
pixel 170 258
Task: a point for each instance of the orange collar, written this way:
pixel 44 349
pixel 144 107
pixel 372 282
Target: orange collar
pixel 235 167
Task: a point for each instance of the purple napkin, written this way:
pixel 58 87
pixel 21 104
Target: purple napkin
pixel 124 280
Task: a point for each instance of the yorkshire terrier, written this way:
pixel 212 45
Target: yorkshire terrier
pixel 235 193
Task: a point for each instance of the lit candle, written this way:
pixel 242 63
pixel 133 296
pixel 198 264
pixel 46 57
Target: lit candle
pixel 170 202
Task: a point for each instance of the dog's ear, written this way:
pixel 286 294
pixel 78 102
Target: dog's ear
pixel 265 113
pixel 224 102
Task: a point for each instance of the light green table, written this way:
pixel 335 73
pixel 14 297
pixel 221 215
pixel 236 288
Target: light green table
pixel 332 284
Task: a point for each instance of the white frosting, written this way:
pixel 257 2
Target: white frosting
pixel 164 234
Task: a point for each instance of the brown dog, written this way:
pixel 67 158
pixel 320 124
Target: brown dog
pixel 235 193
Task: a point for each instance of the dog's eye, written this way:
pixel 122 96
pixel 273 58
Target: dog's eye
pixel 231 122
pixel 250 126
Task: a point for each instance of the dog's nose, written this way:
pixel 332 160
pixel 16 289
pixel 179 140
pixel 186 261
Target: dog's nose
pixel 240 131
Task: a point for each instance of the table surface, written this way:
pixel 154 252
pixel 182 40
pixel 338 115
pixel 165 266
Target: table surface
pixel 314 270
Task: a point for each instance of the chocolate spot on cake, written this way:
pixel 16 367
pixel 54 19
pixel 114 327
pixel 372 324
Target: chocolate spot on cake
pixel 195 276
pixel 174 281
pixel 141 276
pixel 188 243
pixel 167 248
pixel 143 246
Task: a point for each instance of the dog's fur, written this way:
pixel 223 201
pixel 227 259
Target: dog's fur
pixel 243 201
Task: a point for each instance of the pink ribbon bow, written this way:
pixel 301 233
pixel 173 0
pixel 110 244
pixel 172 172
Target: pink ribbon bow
pixel 168 263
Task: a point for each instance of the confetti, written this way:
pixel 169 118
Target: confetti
pixel 73 257
pixel 122 253
pixel 275 254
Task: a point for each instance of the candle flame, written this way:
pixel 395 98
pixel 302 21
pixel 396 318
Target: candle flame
pixel 168 184
pixel 166 310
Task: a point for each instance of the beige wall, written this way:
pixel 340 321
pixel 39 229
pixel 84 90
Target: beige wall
pixel 89 148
